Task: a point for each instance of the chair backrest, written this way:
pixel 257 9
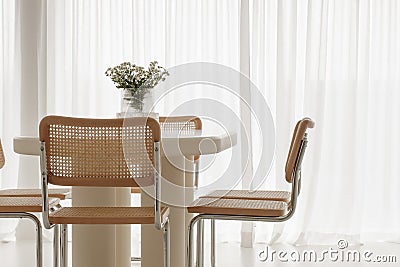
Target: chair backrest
pixel 183 124
pixel 2 158
pixel 295 147
pixel 99 152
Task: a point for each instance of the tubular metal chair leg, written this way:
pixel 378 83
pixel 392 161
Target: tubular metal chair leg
pixel 190 244
pixel 35 220
pixel 212 243
pixel 166 234
pixel 64 246
pixel 38 240
pixel 200 244
pixel 196 173
pixel 56 245
pixel 190 240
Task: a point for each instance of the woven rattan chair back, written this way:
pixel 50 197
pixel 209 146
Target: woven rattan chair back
pixel 295 145
pixel 183 124
pixel 99 152
pixel 180 123
pixel 2 158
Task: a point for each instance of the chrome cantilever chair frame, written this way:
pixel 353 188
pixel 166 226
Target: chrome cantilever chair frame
pixel 60 238
pixel 212 217
pixel 35 220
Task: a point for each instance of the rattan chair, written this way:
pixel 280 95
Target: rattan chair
pixel 97 152
pixel 284 196
pixel 186 125
pixel 22 207
pixel 268 206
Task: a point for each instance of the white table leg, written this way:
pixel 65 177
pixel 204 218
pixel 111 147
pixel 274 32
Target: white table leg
pixel 123 232
pixel 151 245
pixel 28 177
pixel 152 253
pixel 189 183
pixel 100 245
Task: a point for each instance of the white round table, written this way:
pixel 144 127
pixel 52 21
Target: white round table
pixel 109 245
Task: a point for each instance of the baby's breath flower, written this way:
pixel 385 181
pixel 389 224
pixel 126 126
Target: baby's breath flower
pixel 132 77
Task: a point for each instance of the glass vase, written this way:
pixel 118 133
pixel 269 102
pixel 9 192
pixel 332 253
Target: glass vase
pixel 139 104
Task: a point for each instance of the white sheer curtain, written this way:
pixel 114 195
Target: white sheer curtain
pixel 335 61
pixel 87 37
pixel 10 93
pixel 23 85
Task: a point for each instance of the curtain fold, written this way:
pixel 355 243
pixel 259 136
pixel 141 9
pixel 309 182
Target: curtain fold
pixel 23 90
pixel 10 93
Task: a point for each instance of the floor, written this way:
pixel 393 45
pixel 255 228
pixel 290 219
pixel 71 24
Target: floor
pixel 231 254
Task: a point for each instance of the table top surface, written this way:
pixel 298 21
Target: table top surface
pixel 194 142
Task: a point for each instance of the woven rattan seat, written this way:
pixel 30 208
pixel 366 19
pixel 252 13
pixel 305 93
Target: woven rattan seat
pixel 254 195
pixel 239 207
pixel 106 215
pixel 24 204
pixel 57 193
